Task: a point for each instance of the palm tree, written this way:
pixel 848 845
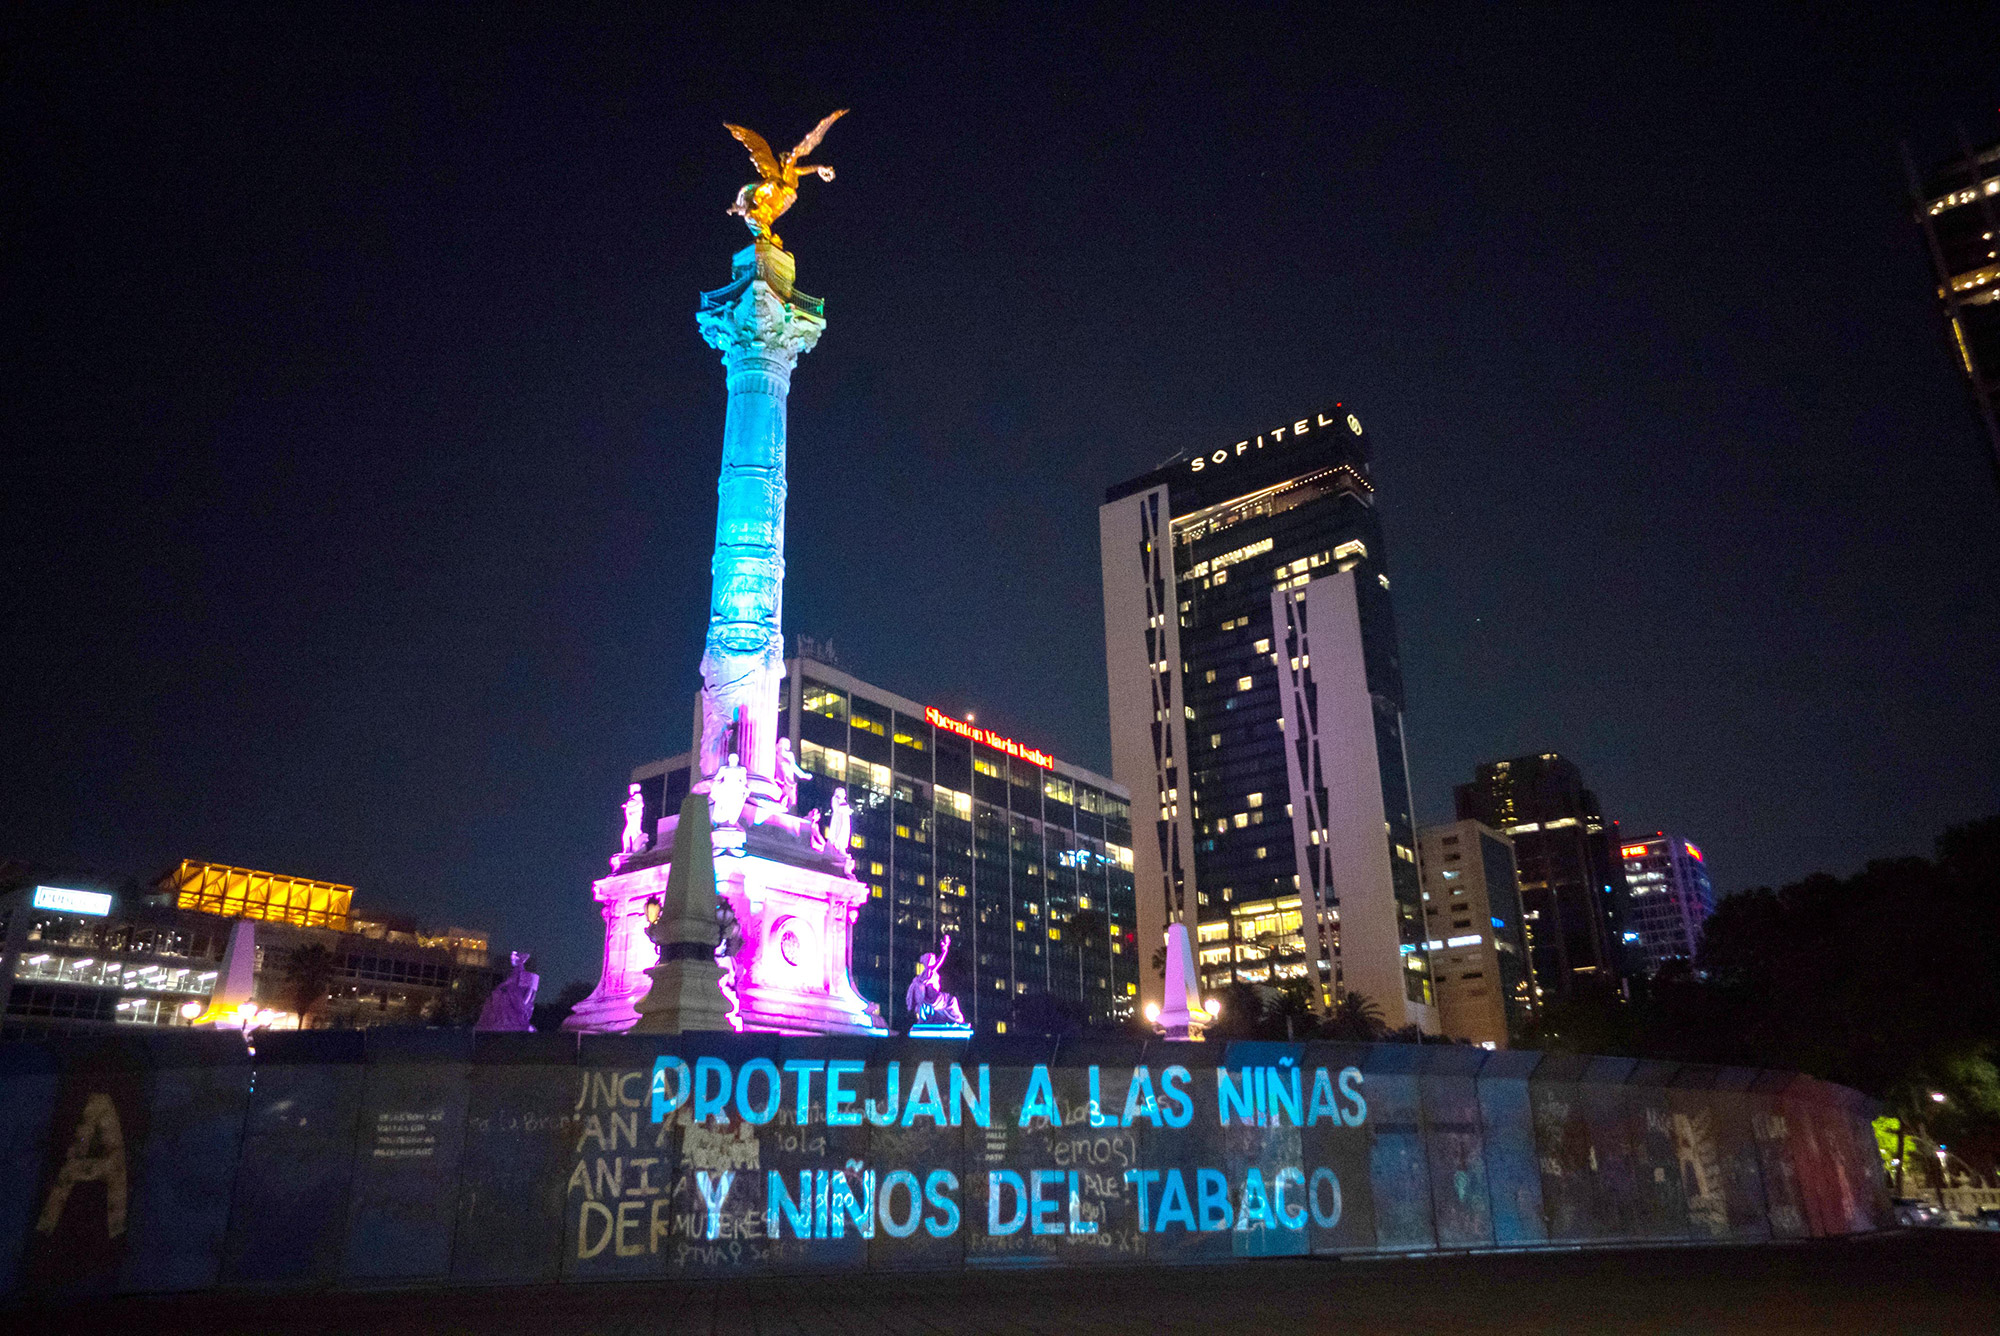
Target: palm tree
pixel 1086 930
pixel 550 1015
pixel 1355 1017
pixel 309 976
pixel 1290 1014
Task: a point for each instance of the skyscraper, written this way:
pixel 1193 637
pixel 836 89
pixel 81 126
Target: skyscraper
pixel 1257 716
pixel 1958 207
pixel 1023 858
pixel 1668 896
pixel 1572 882
pixel 1478 945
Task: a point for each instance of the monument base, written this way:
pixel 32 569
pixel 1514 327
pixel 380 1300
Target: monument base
pixel 628 953
pixel 929 1031
pixel 793 973
pixel 685 995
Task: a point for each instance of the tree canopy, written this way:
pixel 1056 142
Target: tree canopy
pixel 1887 981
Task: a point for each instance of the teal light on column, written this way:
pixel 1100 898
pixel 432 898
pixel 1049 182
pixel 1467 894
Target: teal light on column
pixel 760 325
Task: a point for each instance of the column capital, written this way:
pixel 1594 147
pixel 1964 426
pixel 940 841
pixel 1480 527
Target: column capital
pixel 760 317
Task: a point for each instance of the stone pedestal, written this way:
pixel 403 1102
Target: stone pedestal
pixel 794 973
pixel 628 952
pixel 795 906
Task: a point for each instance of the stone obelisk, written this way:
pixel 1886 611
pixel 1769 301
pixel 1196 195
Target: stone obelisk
pixel 685 991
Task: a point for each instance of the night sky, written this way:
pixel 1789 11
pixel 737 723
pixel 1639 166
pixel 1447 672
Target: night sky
pixel 360 449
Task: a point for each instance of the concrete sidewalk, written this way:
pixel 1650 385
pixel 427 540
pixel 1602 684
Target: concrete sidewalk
pixel 1930 1281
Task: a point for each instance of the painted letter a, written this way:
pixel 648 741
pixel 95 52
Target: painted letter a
pixel 96 1153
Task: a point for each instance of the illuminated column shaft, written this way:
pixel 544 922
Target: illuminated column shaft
pixel 760 326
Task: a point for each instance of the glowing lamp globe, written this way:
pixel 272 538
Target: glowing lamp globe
pixel 190 1010
pixel 1152 1011
pixel 1213 1007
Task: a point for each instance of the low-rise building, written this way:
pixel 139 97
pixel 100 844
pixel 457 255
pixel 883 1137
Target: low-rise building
pixel 88 951
pixel 1479 942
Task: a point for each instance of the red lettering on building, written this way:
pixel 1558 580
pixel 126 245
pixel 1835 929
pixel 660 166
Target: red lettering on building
pixel 971 732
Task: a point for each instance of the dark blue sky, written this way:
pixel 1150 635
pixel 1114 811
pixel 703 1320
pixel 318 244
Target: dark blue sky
pixel 360 447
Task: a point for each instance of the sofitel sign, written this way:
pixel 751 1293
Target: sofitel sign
pixel 1276 435
pixel 66 901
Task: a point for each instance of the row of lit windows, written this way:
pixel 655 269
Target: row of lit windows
pixel 393 970
pixel 1230 558
pixel 121 938
pixel 95 973
pixel 838 705
pixel 1990 186
pixel 841 768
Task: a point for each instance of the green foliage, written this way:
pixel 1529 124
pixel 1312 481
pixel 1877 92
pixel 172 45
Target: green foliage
pixel 1356 1018
pixel 1285 1011
pixel 1889 1141
pixel 309 976
pixel 550 1015
pixel 1888 981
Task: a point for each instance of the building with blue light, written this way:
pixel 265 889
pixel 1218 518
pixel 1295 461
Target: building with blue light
pixel 1025 859
pixel 1668 896
pixel 89 952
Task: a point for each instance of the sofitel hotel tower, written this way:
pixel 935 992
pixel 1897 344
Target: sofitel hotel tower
pixel 1257 716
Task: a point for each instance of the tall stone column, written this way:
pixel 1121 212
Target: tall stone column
pixel 760 325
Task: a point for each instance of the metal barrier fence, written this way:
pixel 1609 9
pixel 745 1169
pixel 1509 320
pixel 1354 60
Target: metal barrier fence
pixel 182 1162
pixel 1965 1201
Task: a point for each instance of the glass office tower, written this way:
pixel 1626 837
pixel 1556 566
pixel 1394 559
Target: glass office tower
pixel 1026 860
pixel 1669 897
pixel 1572 881
pixel 1957 206
pixel 1257 715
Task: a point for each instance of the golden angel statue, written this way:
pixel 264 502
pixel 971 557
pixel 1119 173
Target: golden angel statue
pixel 760 203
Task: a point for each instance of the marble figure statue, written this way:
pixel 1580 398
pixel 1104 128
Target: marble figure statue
pixel 926 999
pixel 511 1006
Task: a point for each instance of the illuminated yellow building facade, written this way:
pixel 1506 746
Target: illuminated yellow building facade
pixel 269 897
pixel 74 953
pixel 1262 941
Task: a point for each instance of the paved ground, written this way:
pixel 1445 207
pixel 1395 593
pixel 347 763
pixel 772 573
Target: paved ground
pixel 1934 1281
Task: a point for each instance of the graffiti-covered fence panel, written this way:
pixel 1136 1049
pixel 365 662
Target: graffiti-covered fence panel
pixel 190 1161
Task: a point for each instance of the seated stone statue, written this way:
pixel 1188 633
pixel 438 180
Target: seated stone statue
pixel 512 1004
pixel 926 999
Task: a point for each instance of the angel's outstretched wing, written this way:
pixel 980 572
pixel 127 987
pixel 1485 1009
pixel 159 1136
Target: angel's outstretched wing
pixel 760 152
pixel 811 141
